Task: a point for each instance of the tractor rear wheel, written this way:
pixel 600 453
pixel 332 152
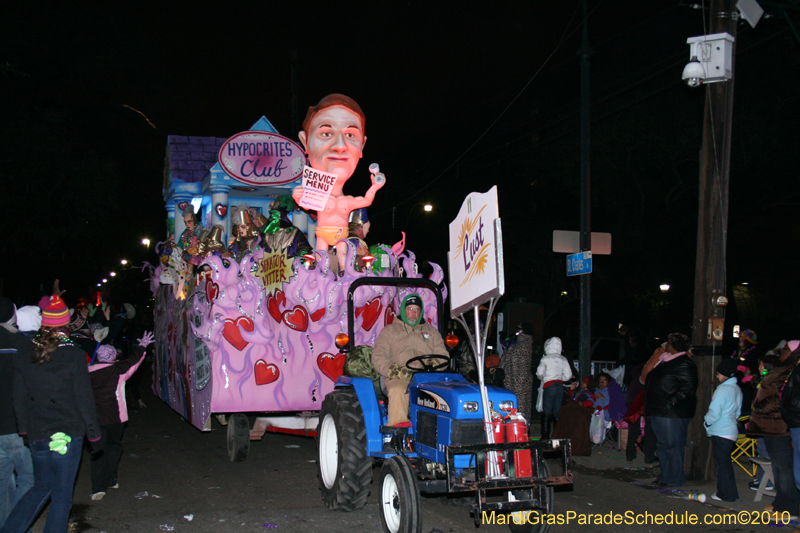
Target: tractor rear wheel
pixel 401 510
pixel 345 469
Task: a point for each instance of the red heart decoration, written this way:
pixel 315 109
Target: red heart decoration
pixel 233 334
pixel 297 318
pixel 389 316
pixel 182 206
pixel 331 365
pixel 274 304
pixel 266 373
pixel 222 210
pixel 316 315
pixel 212 291
pixel 371 311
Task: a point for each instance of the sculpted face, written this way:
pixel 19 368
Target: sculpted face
pixel 189 221
pixel 334 141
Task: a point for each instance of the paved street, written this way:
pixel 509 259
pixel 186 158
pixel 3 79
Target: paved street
pixel 186 473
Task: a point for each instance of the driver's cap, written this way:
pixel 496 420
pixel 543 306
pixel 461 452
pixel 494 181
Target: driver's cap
pixel 414 300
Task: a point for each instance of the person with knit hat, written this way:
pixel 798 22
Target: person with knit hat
pixel 721 427
pixel 553 370
pixel 29 320
pixel 108 382
pixel 767 421
pixel 397 343
pixel 16 468
pixel 54 408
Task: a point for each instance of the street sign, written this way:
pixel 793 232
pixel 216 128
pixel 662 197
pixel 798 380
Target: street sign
pixel 568 242
pixel 578 264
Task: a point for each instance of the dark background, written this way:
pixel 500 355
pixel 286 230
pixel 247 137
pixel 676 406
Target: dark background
pixel 459 96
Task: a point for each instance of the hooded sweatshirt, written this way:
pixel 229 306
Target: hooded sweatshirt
pixel 554 367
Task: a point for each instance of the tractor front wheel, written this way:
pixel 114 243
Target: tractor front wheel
pixel 401 510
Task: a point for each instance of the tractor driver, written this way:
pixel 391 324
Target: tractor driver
pixel 397 343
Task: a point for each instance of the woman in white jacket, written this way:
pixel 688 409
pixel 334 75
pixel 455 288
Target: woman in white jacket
pixel 553 370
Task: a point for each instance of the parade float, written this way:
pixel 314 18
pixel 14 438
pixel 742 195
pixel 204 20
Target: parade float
pixel 258 336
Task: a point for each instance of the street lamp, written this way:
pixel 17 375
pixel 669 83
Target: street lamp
pixel 123 262
pixel 105 280
pixel 664 287
pixel 112 274
pixel 146 242
pixel 426 206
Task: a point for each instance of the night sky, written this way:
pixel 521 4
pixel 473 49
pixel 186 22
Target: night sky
pixel 459 96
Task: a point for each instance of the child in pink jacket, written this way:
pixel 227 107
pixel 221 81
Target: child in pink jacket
pixel 108 381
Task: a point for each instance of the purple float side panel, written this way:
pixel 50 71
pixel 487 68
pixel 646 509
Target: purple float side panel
pixel 178 379
pixel 267 352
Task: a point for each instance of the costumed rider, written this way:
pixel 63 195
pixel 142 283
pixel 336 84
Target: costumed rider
pixel 280 233
pixel 246 234
pixel 210 245
pixel 191 236
pixel 397 343
pixel 359 228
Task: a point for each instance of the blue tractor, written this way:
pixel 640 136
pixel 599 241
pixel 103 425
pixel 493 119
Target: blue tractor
pixel 445 452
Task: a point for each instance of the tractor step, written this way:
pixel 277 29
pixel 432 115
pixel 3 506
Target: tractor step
pixel 394 430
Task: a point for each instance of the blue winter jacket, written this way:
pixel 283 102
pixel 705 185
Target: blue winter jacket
pixel 725 408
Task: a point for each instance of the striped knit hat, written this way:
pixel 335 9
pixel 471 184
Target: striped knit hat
pixel 56 314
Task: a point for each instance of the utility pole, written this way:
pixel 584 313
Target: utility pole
pixel 712 232
pixel 585 329
pixel 294 90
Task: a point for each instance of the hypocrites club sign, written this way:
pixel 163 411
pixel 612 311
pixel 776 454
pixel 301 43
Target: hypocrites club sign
pixel 260 158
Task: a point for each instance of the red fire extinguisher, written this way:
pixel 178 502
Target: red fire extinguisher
pixel 517 431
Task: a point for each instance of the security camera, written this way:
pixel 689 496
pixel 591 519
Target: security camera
pixel 693 73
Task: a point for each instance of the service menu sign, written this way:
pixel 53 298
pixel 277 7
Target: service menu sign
pixel 317 187
pixel 476 253
pixel 260 158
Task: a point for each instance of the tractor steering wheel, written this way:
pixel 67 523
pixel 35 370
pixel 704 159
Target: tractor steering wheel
pixel 431 362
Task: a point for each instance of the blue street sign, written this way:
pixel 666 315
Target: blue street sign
pixel 578 264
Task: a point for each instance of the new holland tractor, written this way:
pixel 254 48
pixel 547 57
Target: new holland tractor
pixel 445 452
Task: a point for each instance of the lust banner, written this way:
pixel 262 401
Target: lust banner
pixel 476 253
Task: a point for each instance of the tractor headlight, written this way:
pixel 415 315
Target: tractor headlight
pixel 506 405
pixel 471 407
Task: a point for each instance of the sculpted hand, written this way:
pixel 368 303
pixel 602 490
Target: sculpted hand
pixel 378 183
pixel 146 340
pixel 297 193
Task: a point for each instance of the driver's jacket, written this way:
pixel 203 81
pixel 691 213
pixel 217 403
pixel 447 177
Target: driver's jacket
pixel 398 342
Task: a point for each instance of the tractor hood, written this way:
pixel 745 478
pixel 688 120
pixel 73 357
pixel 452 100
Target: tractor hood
pixel 448 392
